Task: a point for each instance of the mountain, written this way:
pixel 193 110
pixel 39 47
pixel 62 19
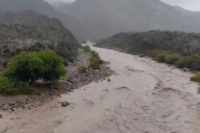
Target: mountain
pixel 142 42
pixel 28 31
pixel 40 7
pixel 103 18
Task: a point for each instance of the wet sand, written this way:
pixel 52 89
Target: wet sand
pixel 144 97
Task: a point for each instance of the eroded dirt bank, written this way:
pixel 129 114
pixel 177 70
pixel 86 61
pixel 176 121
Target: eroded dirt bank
pixel 144 97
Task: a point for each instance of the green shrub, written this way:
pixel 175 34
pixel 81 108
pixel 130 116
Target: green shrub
pixel 82 69
pixel 31 66
pixel 10 87
pixel 196 77
pixel 25 67
pixel 192 62
pixel 173 58
pixel 181 63
pixel 87 48
pixel 53 66
pixel 160 57
pixel 154 53
pixel 95 54
pixel 94 63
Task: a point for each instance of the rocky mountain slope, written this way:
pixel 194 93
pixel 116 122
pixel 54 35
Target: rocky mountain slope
pixel 140 42
pixel 103 18
pixel 41 7
pixel 28 31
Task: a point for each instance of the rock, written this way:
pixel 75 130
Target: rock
pixel 65 104
pixel 4 108
pixel 1 116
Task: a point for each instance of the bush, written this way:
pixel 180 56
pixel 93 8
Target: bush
pixel 53 66
pixel 29 67
pixel 181 63
pixel 154 53
pixel 196 77
pixel 10 87
pixel 160 57
pixel 95 54
pixel 192 62
pixel 173 58
pixel 94 63
pixel 82 69
pixel 87 49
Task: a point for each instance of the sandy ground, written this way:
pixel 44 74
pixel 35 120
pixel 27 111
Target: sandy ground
pixel 144 97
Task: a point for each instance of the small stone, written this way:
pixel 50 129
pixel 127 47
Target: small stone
pixel 186 69
pixel 1 115
pixel 4 108
pixel 65 104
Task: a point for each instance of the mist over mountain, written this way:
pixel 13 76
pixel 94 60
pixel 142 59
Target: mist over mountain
pixel 40 7
pixel 102 18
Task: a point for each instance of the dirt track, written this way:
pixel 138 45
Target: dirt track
pixel 144 97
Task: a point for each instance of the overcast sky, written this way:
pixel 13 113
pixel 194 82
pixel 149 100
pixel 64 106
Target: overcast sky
pixel 193 5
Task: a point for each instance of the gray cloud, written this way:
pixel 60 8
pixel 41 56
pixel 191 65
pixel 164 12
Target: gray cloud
pixel 55 1
pixel 193 5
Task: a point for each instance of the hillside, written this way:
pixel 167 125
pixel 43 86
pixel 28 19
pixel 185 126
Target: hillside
pixel 103 18
pixel 38 32
pixel 41 7
pixel 178 42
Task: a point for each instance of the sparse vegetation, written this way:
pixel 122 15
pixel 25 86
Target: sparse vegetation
pixel 82 69
pixel 87 48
